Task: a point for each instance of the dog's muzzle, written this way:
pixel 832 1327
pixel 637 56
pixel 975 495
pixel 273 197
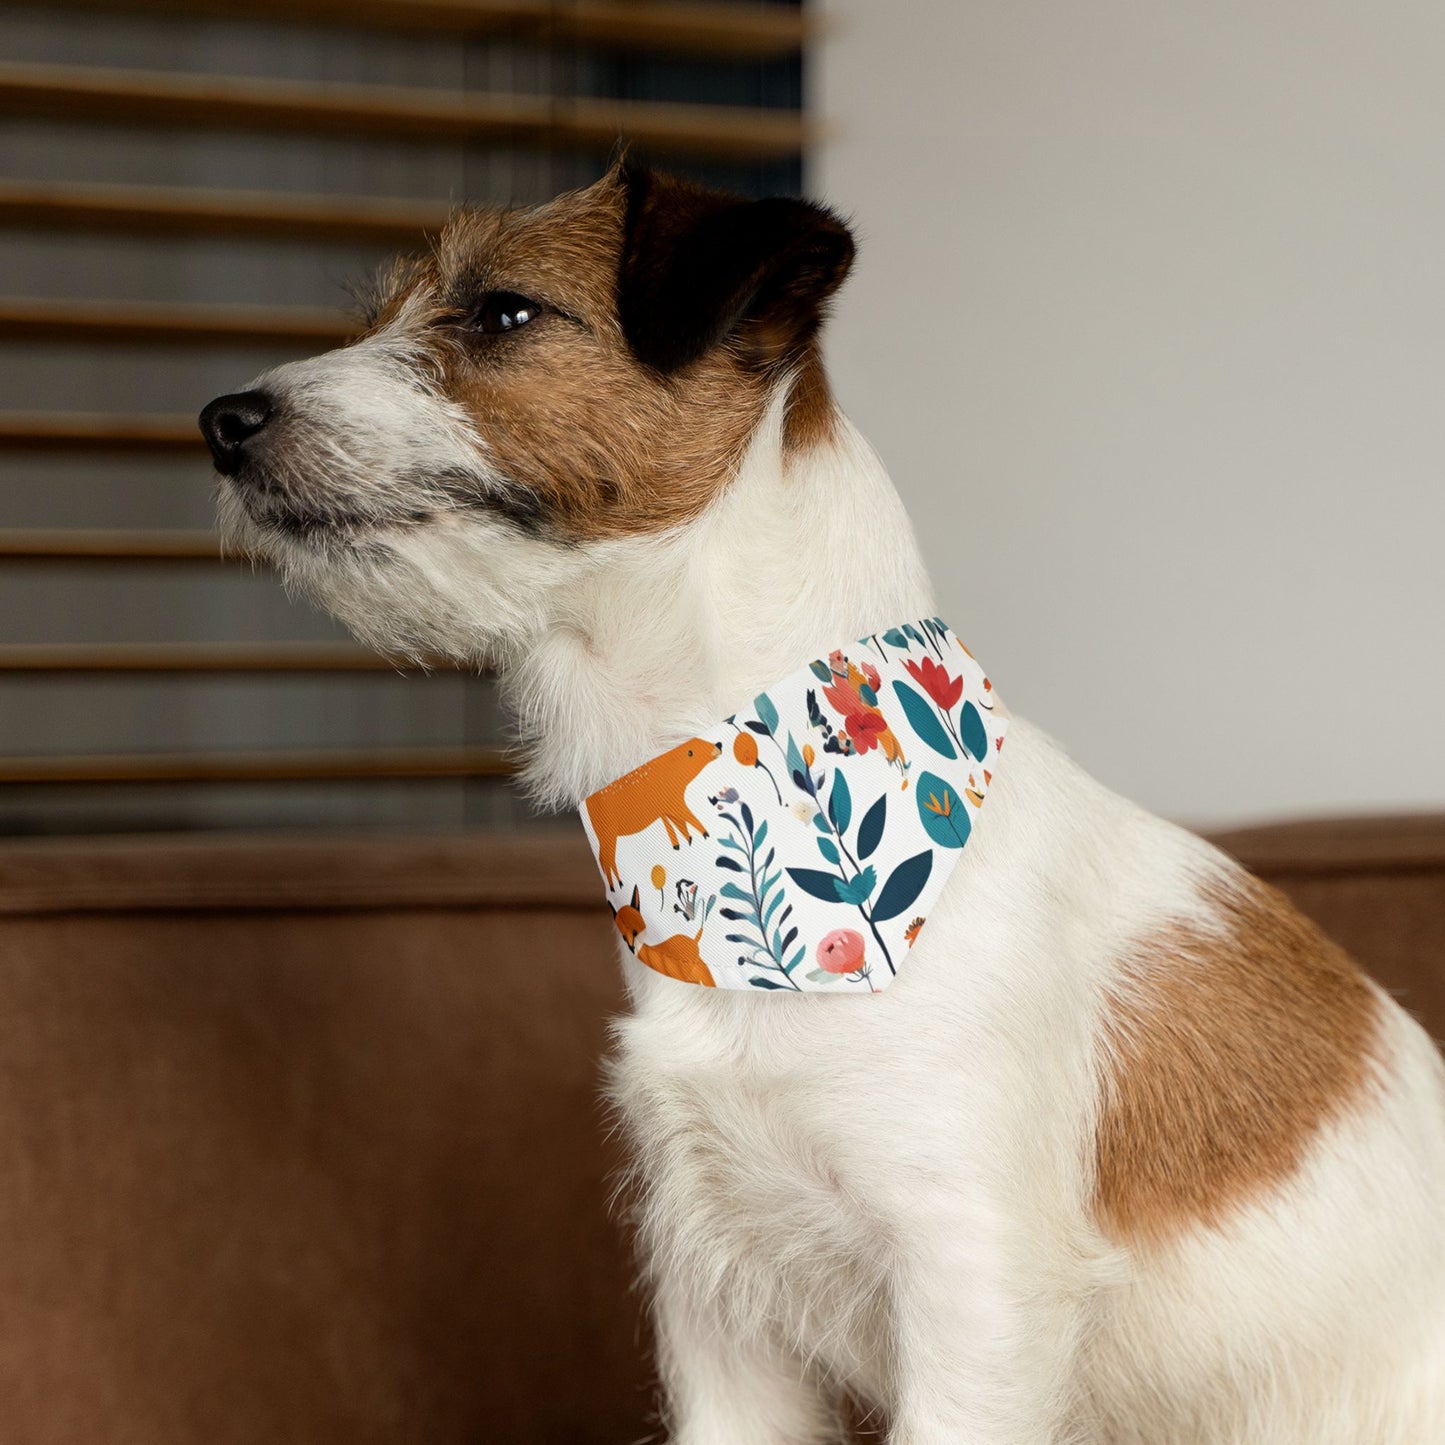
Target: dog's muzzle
pixel 230 423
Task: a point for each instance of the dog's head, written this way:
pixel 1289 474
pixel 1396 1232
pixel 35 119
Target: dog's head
pixel 544 383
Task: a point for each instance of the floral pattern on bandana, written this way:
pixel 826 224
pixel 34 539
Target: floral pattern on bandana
pixel 798 846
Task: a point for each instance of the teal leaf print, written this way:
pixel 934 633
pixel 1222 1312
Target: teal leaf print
pixel 972 733
pixel 828 849
pixel 914 633
pixel 763 706
pixel 904 885
pixel 943 813
pixel 923 720
pixel 821 671
pixel 817 883
pixel 857 890
pixel 763 905
pixel 894 638
pixel 765 983
pixel 797 769
pixel 840 803
pixel 870 830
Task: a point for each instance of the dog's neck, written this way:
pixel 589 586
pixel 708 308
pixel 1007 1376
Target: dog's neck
pixel 802 553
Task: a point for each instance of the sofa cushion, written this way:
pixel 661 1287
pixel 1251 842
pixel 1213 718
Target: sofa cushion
pixel 302 1137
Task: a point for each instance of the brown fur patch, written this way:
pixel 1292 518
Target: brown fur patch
pixel 812 415
pixel 1227 1052
pixel 605 445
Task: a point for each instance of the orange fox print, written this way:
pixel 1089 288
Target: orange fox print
pixel 677 956
pixel 651 794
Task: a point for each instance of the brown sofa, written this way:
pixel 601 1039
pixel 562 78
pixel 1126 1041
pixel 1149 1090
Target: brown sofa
pixel 302 1140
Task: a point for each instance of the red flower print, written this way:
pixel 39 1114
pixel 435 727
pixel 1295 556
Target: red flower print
pixel 862 723
pixel 865 728
pixel 843 700
pixel 935 681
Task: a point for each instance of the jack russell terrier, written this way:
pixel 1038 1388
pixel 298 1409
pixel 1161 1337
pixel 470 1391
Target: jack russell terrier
pixel 1099 1140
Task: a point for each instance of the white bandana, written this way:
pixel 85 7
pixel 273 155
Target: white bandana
pixel 799 845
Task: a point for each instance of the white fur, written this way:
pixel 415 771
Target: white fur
pixel 891 1195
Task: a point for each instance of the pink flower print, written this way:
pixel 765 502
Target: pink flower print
pixel 841 951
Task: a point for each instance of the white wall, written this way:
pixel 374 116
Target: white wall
pixel 1149 324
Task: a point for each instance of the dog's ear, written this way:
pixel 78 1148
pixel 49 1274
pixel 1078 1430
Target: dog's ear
pixel 699 266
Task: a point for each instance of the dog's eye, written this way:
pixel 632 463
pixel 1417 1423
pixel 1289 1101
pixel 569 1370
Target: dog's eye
pixel 504 311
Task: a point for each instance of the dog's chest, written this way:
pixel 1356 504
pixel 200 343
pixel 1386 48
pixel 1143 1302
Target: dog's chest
pixel 754 1173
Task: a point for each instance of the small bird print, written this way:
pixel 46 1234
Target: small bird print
pixel 686 899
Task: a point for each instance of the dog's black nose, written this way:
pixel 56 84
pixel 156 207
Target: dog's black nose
pixel 229 422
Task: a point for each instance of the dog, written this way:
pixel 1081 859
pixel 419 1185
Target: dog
pixel 1129 1154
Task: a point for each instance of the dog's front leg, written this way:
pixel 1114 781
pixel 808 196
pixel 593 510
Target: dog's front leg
pixel 985 1340
pixel 721 1387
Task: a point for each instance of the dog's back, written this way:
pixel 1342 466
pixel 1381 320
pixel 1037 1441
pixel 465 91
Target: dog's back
pixel 1219 1142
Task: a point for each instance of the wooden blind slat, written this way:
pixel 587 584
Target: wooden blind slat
pixel 218 102
pixel 707 28
pixel 83 544
pixel 172 323
pixel 187 657
pixel 173 211
pixel 762 32
pixel 79 431
pixel 226 103
pixel 271 766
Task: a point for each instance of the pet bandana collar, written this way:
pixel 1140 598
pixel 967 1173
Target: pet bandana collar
pixel 799 845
